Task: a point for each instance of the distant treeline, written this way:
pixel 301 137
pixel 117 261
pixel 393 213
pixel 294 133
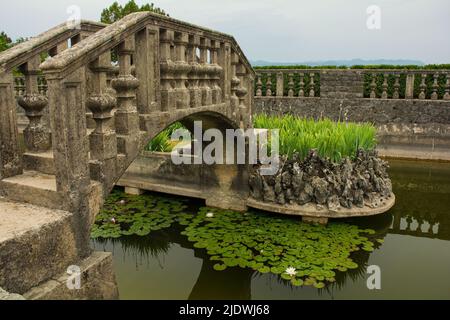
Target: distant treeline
pixel 381 66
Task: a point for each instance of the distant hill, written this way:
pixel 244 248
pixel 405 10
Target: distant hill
pixel 348 63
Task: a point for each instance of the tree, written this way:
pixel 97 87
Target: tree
pixel 116 11
pixel 5 41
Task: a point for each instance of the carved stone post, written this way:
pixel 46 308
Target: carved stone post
pixel 36 135
pixel 103 140
pixel 10 159
pixel 301 92
pixel 181 71
pixel 241 93
pixel 67 97
pixel 409 92
pixel 205 86
pixel 373 86
pixel 312 92
pixel 384 95
pixel 216 71
pixel 396 94
pixel 291 85
pixel 434 95
pixel 258 86
pixel 269 85
pixel 147 64
pixel 280 84
pixel 167 83
pixel 423 86
pixel 235 82
pixel 195 93
pixel 447 88
pixel 126 116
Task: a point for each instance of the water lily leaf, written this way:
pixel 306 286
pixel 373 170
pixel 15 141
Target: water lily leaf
pixel 219 267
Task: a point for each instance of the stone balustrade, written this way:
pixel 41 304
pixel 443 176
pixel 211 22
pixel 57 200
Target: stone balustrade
pixel 288 83
pixel 410 84
pixel 363 83
pixel 21 79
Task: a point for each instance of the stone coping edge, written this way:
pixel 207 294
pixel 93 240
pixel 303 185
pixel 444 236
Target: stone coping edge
pixel 310 210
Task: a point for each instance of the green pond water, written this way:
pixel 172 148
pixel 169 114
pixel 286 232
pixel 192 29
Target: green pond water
pixel 410 244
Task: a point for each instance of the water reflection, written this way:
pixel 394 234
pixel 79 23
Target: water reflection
pixel 421 211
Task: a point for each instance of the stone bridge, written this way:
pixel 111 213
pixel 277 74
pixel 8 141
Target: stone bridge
pixel 101 95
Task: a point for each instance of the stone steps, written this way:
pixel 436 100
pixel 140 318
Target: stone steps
pixel 36 243
pixel 34 188
pixel 41 162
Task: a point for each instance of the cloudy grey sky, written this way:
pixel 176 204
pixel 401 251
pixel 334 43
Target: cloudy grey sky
pixel 281 30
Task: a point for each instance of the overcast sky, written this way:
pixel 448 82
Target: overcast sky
pixel 280 30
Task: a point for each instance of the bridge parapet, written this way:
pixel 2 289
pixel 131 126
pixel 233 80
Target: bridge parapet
pixel 25 59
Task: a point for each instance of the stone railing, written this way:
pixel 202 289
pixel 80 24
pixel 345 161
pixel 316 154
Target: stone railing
pixel 165 67
pixel 410 84
pixel 363 83
pixel 287 83
pixel 30 89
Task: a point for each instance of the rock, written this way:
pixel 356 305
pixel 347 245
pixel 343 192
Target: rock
pixel 268 192
pixel 256 186
pixel 280 199
pixel 304 198
pixel 320 187
pixel 333 203
pixel 314 180
pixel 278 187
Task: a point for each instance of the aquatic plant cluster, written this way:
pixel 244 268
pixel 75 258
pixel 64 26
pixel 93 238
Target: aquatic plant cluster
pixel 333 140
pixel 363 181
pixel 300 253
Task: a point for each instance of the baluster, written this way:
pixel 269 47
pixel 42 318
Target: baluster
pixel 301 93
pixel 280 84
pixel 241 93
pixel 447 88
pixel 235 82
pixel 291 85
pixel 409 90
pixel 423 86
pixel 258 86
pixel 103 140
pixel 396 94
pixel 217 70
pixel 194 75
pixel 181 71
pixel 311 85
pixel 36 135
pixel 167 87
pixel 384 95
pixel 373 87
pixel 126 116
pixel 434 95
pixel 269 85
pixel 205 72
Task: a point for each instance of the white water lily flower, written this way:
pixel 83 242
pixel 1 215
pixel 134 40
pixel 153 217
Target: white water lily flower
pixel 210 215
pixel 291 271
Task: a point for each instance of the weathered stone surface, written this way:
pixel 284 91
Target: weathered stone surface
pixel 359 183
pixel 35 244
pixel 97 282
pixel 4 295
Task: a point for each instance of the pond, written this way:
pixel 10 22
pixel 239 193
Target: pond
pixel 413 256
